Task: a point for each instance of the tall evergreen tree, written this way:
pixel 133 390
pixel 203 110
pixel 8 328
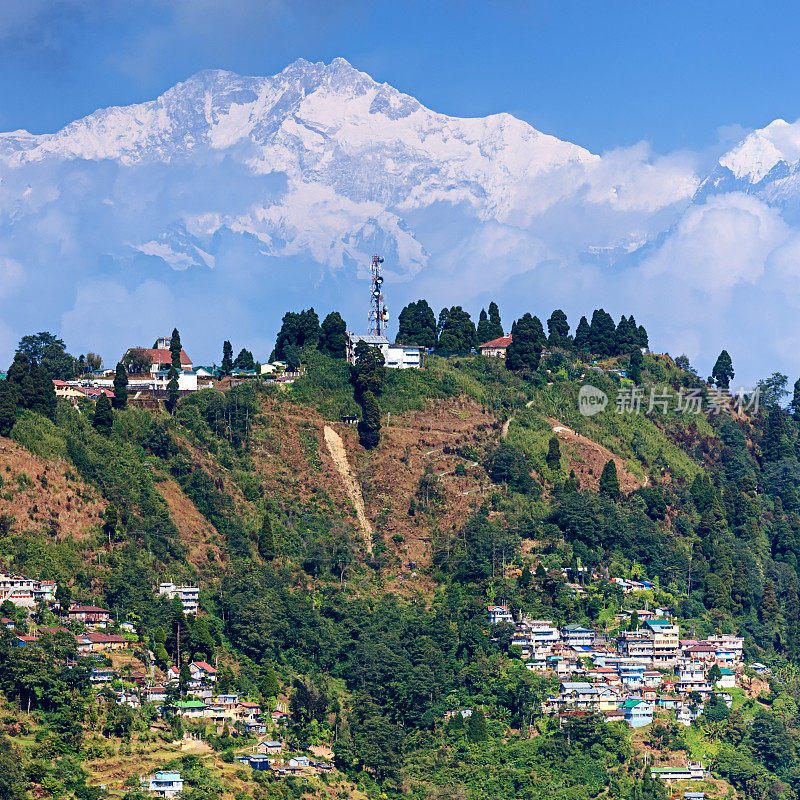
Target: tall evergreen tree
pixel 553 453
pixel 172 390
pixel 456 331
pixel 495 323
pixel 120 387
pixel 794 404
pixel 609 480
pixel 583 335
pixel 103 419
pixel 175 348
pixel 369 428
pixel 526 346
pixel 476 727
pixel 484 327
pixel 602 334
pixel 635 368
pixel 769 608
pixel 10 400
pixel 774 432
pixel 722 373
pixel 417 325
pixel 244 360
pixel 558 329
pixel 227 358
pixel 297 330
pixel 333 336
pixel 626 336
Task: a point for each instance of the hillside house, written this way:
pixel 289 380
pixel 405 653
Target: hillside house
pixel 728 679
pixel 666 641
pixel 496 348
pixel 163 784
pixel 96 642
pixel 191 709
pixel 26 592
pixel 638 712
pixel 498 614
pixel 161 358
pixel 189 596
pixel 270 748
pixel 90 616
pixel 577 636
pixel 202 673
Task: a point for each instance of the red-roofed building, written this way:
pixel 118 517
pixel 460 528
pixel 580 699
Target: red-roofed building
pixel 202 671
pixel 496 348
pixel 100 643
pixel 160 358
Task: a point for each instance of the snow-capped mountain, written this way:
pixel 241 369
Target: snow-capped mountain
pixel 241 197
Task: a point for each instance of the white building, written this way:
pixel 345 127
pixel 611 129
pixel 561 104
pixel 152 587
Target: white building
pixel 189 595
pixel 395 356
pixel 497 614
pixel 164 784
pixel 25 592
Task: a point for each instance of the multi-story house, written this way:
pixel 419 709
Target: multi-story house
pixel 189 596
pixel 666 641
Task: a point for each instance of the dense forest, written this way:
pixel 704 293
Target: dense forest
pixel 373 636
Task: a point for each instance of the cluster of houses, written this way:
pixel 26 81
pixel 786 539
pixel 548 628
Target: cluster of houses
pixel 26 592
pixel 154 382
pixel 630 677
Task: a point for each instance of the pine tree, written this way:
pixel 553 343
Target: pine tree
pixel 484 328
pixel 769 608
pixel 792 614
pixel 582 335
pixel 227 358
pixel 794 405
pixel 526 346
pixel 244 360
pixel 635 368
pixel 120 387
pixel 602 334
pixel 558 329
pixel 609 481
pixel 496 325
pixel 10 399
pixel 369 428
pixel 333 336
pixel 103 418
pixel 417 325
pixel 476 727
pixel 175 348
pixel 722 372
pixel 172 390
pixel 774 431
pixel 554 454
pixel 266 540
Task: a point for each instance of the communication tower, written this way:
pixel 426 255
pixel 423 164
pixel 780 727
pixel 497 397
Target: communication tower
pixel 378 312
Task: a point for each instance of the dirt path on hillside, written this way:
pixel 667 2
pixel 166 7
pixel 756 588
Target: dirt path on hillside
pixel 507 423
pixel 339 456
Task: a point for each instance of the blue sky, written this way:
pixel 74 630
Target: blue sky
pixel 601 74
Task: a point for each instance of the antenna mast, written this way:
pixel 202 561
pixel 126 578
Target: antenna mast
pixel 378 312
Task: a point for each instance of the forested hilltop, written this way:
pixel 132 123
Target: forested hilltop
pixel 370 595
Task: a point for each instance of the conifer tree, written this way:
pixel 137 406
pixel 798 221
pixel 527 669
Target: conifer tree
pixel 476 727
pixel 266 540
pixel 369 428
pixel 582 335
pixel 635 368
pixel 794 404
pixel 10 399
pixel 103 418
pixel 333 336
pixel 120 387
pixel 172 390
pixel 769 608
pixel 553 454
pixel 175 348
pixel 484 327
pixel 496 325
pixel 417 325
pixel 526 346
pixel 602 334
pixel 227 358
pixel 609 481
pixel 722 372
pixel 558 329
